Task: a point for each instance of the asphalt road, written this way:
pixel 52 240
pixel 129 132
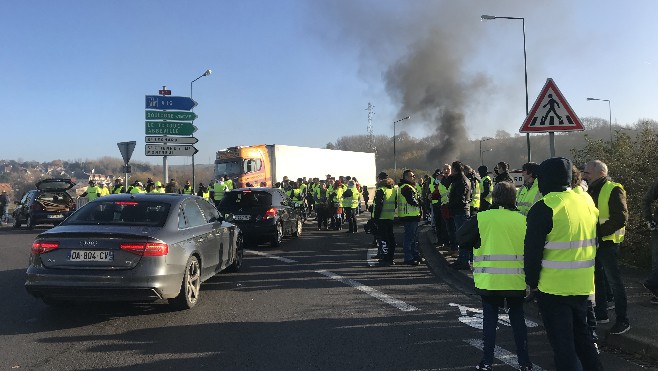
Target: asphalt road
pixel 313 304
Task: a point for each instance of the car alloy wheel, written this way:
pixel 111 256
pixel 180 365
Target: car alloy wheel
pixel 276 240
pixel 298 230
pixel 190 287
pixel 239 254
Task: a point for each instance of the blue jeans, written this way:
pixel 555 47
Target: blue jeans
pixel 565 321
pixel 411 241
pixel 490 306
pixel 607 261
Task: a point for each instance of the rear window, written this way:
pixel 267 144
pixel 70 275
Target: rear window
pixel 236 199
pixel 121 213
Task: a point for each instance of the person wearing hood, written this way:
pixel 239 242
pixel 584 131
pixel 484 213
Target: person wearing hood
pixel 350 203
pixel 496 235
pixel 409 213
pixel 559 252
pixel 383 212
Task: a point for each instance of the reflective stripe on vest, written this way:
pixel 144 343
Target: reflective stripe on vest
pixel 475 200
pixel 604 211
pixel 568 259
pixel 404 208
pixel 388 207
pixel 498 263
pixel 528 197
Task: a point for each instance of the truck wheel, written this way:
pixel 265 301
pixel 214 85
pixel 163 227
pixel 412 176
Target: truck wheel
pixel 278 237
pixel 190 286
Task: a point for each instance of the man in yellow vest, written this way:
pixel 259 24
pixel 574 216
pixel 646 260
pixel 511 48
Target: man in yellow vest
pixel 409 214
pixel 217 191
pixel 383 212
pixel 350 203
pixel 610 198
pixel 560 247
pixel 529 193
pixel 187 188
pixel 496 235
pixel 118 186
pixel 92 192
pixel 104 189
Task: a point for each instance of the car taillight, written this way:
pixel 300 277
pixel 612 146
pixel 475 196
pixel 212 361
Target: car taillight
pixel 146 248
pixel 40 247
pixel 269 214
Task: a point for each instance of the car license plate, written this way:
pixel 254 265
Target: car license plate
pixel 241 217
pixel 91 256
pixel 55 216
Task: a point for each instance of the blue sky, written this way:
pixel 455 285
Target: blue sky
pixel 73 74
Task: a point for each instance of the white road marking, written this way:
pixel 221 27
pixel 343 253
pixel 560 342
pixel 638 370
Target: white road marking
pixel 473 317
pixel 370 291
pixel 504 355
pixel 265 255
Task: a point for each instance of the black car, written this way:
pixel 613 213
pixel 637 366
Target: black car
pixel 50 203
pixel 263 214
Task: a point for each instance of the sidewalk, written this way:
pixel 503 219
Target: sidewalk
pixel 641 339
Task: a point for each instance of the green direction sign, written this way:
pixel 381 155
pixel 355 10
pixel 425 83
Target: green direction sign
pixel 171 115
pixel 169 128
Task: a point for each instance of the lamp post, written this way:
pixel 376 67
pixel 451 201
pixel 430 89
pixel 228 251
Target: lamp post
pixel 395 163
pixel 609 114
pixel 483 140
pixel 207 73
pixel 525 67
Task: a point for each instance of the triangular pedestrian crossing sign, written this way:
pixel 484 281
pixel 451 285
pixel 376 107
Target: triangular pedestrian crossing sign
pixel 551 112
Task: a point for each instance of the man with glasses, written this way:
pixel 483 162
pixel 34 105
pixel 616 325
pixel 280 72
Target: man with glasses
pixel 409 214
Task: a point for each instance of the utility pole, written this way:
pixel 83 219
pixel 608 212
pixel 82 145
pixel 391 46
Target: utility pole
pixel 371 136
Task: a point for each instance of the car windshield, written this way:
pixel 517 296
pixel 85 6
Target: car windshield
pixel 237 199
pixel 121 213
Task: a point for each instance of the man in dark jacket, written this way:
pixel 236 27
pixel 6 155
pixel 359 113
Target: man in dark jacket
pixel 409 214
pixel 502 173
pixel 459 198
pixel 610 198
pixel 383 212
pixel 497 235
pixel 558 258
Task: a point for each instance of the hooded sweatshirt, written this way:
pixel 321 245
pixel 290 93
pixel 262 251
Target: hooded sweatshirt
pixel 554 175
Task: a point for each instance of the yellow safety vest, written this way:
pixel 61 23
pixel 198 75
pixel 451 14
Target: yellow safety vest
pixel 528 197
pixel 604 211
pixel 498 263
pixel 353 201
pixel 388 206
pixel 93 192
pixel 568 261
pixel 475 196
pixel 219 190
pixel 404 208
pixel 445 193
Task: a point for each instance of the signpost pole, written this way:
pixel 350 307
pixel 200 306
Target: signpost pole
pixel 165 168
pixel 551 140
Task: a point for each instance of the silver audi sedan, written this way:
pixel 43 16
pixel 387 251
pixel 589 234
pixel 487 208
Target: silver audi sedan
pixel 134 247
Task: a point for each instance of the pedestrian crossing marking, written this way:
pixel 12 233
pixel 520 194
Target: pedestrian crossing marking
pixel 551 112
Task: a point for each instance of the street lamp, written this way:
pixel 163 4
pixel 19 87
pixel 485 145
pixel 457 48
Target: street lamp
pixel 525 67
pixel 395 164
pixel 490 149
pixel 207 73
pixel 609 113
